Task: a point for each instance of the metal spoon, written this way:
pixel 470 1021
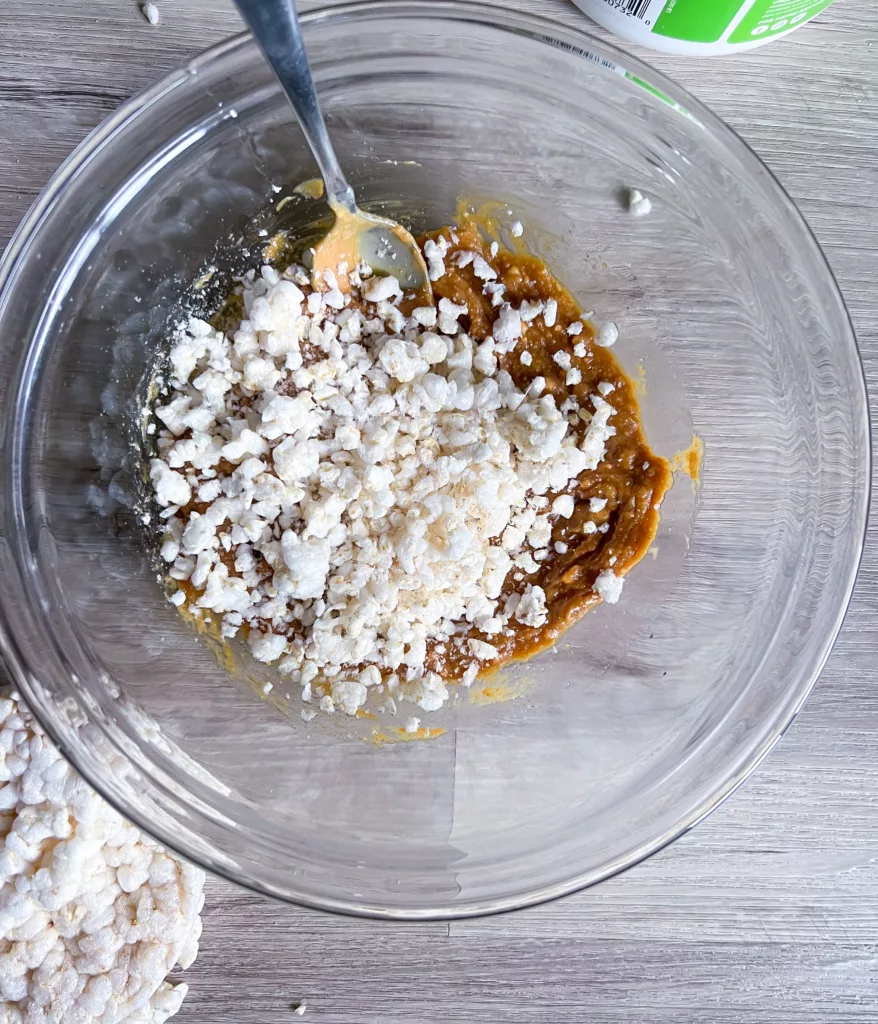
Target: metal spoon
pixel 383 244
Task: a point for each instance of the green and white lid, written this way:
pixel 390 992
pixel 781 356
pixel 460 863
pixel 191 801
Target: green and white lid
pixel 702 27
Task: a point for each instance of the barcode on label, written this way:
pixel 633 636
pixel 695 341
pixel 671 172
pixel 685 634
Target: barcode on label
pixel 637 8
pixel 595 58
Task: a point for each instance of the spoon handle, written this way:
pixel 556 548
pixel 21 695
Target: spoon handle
pixel 275 26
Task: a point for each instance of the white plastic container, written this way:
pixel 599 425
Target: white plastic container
pixel 702 27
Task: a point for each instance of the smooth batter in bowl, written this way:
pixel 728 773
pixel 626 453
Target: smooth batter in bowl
pixel 571 766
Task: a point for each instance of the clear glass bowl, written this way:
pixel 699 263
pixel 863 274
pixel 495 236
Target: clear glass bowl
pixel 647 714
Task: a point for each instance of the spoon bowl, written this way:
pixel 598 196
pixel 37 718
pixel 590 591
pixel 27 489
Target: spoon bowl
pixel 384 245
pixel 355 236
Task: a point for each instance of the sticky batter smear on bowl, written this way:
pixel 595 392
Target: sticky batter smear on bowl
pixel 382 499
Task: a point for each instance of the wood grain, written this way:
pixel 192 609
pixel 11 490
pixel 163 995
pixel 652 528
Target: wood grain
pixel 765 914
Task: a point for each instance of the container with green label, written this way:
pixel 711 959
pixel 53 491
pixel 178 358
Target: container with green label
pixel 702 27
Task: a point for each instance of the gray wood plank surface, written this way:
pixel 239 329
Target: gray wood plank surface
pixel 765 914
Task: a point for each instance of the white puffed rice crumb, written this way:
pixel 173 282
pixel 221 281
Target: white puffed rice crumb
pixel 639 205
pixel 607 335
pixel 563 506
pixel 150 12
pixel 609 586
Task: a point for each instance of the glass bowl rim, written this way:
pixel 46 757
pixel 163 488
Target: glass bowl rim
pixel 547 31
